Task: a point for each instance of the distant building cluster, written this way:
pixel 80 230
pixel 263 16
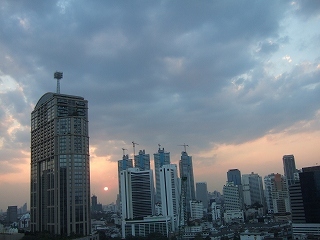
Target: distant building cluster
pixel 184 204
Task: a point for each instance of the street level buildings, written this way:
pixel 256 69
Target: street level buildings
pixel 60 171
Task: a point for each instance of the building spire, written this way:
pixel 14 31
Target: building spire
pixel 58 76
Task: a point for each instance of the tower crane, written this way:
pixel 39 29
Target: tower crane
pixel 185 146
pixel 134 148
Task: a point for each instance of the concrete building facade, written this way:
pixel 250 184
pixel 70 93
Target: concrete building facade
pixel 137 195
pixel 60 171
pixel 170 193
pixel 252 189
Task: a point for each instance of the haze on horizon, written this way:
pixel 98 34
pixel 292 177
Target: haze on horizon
pixel 238 81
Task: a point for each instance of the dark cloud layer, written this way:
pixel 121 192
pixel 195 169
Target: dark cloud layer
pixel 158 72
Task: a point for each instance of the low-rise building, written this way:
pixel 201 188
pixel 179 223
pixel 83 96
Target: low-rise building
pixel 231 216
pixel 196 209
pixel 144 226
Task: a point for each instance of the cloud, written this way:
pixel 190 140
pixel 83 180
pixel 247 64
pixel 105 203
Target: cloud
pixel 161 72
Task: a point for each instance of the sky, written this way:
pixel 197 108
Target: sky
pixel 237 81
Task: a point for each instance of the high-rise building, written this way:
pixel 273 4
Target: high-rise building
pixel 60 172
pixel 94 202
pixel 202 193
pixel 137 193
pixel 304 199
pixel 170 193
pixel 277 195
pixel 95 206
pixel 252 189
pixel 234 175
pixel 310 189
pixel 123 164
pixel 233 198
pixel 160 158
pixel 289 167
pixel 12 214
pixel 186 172
pixel 142 160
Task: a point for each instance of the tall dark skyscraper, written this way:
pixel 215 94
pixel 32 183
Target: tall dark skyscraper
pixel 310 190
pixel 234 175
pixel 289 167
pixel 186 170
pixel 305 199
pixel 202 193
pixel 60 172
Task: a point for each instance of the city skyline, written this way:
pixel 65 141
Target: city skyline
pixel 236 81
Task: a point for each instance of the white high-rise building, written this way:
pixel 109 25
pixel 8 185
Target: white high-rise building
pixel 252 189
pixel 233 197
pixel 160 158
pixel 137 193
pixel 216 211
pixel 170 194
pixel 196 209
pixel 60 171
pixel 123 164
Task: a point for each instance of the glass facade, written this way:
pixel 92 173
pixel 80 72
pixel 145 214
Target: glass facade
pixel 161 158
pixel 186 171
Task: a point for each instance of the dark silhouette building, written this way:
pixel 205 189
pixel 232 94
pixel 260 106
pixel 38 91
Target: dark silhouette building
pixel 305 203
pixel 12 214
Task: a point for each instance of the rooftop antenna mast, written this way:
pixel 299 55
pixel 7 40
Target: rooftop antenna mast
pixel 58 76
pixel 159 145
pixel 134 147
pixel 185 147
pixel 123 149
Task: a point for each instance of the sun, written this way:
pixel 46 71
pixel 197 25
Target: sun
pixel 106 188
